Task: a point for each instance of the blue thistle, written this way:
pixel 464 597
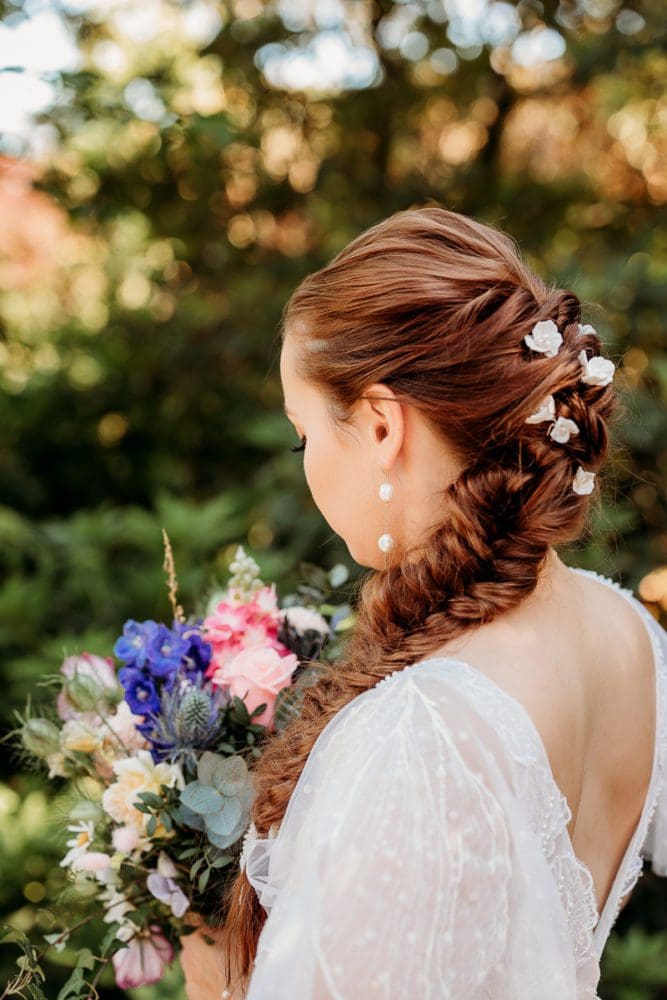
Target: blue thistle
pixel 189 721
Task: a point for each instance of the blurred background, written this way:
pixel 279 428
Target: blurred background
pixel 169 171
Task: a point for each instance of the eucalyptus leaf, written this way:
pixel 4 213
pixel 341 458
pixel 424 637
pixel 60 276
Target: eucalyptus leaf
pixel 201 798
pixel 224 822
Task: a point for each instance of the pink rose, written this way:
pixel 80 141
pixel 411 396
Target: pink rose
pixel 143 960
pixel 232 628
pixel 256 675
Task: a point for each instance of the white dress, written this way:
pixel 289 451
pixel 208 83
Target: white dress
pixel 425 853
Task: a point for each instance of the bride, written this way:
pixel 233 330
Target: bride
pixel 463 806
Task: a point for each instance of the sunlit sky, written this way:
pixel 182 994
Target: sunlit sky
pixel 335 54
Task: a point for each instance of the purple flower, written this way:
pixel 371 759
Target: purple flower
pixel 133 646
pixel 198 654
pixel 165 651
pixel 168 891
pixel 140 692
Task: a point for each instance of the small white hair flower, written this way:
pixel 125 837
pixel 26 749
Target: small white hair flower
pixel 584 481
pixel 562 429
pixel 545 337
pixel 546 411
pixel 597 370
pixel 585 328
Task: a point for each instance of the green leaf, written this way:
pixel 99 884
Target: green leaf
pixel 189 853
pixel 222 861
pixel 151 799
pixel 196 866
pixel 85 959
pixel 151 826
pixel 72 986
pixel 231 775
pixel 226 820
pixel 203 879
pixel 201 798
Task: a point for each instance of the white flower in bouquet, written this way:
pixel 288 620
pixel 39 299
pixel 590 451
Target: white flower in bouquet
pixel 123 724
pixel 305 619
pixel 84 834
pixel 134 775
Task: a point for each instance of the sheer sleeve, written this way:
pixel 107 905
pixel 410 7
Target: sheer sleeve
pixel 405 864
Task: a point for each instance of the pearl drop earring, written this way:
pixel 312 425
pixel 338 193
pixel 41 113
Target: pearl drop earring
pixel 385 541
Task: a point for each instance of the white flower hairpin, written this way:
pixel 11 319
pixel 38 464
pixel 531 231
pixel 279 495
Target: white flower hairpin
pixel 562 427
pixel 597 370
pixel 545 337
pixel 584 481
pixel 545 411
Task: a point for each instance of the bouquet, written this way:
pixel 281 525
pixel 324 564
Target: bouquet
pixel 155 751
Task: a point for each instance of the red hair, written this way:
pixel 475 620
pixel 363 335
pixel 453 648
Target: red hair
pixel 436 305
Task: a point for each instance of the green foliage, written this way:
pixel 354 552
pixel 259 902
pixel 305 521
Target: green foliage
pixel 635 966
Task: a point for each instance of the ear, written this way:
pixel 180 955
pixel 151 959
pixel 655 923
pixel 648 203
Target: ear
pixel 382 418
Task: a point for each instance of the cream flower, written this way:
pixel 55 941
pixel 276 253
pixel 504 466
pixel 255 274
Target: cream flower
pixel 76 735
pixel 562 429
pixel 584 329
pixel 597 370
pixel 138 774
pixel 584 481
pixel 545 337
pixel 546 411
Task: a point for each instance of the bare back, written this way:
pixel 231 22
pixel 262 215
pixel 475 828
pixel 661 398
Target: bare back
pixel 579 658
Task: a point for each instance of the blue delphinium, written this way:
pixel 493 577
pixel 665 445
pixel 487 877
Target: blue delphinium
pixel 134 644
pixel 199 652
pixel 165 652
pixel 158 662
pixel 140 691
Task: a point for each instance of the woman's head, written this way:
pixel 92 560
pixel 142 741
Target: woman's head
pixel 344 464
pixel 406 353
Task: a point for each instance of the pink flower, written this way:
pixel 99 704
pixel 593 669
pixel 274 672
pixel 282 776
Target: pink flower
pixel 256 675
pixel 127 839
pixel 232 628
pixel 92 861
pixel 143 960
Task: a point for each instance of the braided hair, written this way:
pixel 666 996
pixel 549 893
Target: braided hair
pixel 436 305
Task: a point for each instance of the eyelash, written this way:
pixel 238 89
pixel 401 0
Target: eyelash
pixel 299 447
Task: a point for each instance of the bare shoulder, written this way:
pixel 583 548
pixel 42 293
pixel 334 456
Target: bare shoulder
pixel 577 654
